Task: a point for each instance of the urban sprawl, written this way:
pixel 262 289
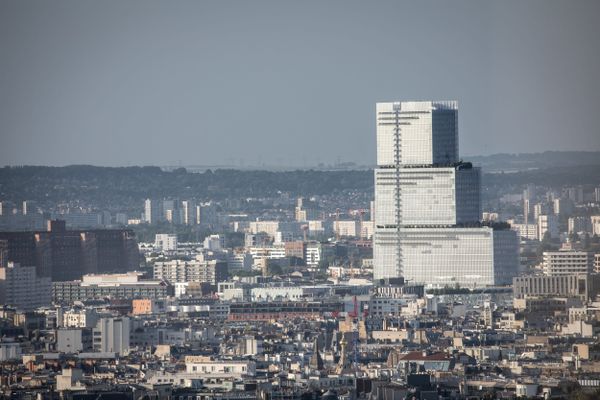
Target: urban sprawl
pixel 423 288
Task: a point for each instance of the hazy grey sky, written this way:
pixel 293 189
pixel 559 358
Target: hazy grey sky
pixel 293 82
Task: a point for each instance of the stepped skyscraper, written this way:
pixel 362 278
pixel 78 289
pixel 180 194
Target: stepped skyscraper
pixel 427 203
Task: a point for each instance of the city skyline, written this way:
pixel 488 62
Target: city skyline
pixel 269 200
pixel 142 83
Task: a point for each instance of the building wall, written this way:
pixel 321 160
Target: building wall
pixel 568 262
pixel 578 285
pixel 73 340
pixel 449 256
pixel 142 306
pixel 506 256
pixel 232 368
pixel 84 318
pixel 166 242
pixel 345 228
pixel 428 196
pixel 429 133
pixel 112 335
pixel 547 223
pixel 579 224
pixel 21 288
pixel 191 271
pixel 10 351
pixel 70 291
pixel 272 293
pixel 68 254
pixel 528 231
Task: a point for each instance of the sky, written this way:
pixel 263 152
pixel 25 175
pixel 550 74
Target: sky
pixel 126 82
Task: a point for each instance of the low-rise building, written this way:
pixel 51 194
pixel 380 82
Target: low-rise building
pixel 274 310
pixel 198 270
pixel 205 365
pixel 583 286
pixel 568 262
pixel 116 286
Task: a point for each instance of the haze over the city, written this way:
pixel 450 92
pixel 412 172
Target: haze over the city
pixel 295 83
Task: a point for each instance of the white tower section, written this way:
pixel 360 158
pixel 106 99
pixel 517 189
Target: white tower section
pixel 427 203
pixel 428 133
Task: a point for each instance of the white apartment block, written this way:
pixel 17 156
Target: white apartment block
pixel 567 262
pixel 95 286
pixel 202 365
pixel 214 242
pixel 277 293
pixel 272 228
pixel 571 285
pixel 490 216
pixel 152 211
pixel 271 252
pixel 538 209
pixel 526 231
pixel 111 335
pixel 312 255
pixel 595 220
pixel 176 271
pixel 345 228
pixel 165 242
pixel 547 223
pixel 80 318
pixel 268 227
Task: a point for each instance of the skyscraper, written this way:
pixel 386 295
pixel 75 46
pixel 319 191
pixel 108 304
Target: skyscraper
pixel 29 207
pixel 188 212
pixel 427 203
pixel 152 211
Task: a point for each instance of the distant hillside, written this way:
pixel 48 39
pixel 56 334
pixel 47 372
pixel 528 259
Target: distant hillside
pixel 106 187
pixel 93 185
pixel 548 159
